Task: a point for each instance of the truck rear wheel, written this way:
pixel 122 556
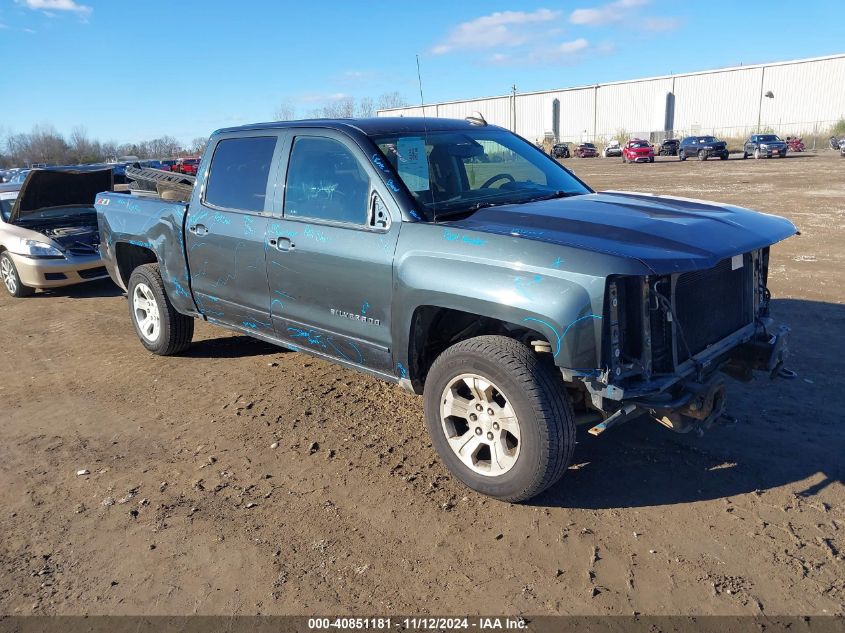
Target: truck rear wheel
pixel 160 327
pixel 499 418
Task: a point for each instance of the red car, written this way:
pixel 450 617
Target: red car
pixel 637 151
pixel 586 150
pixel 187 166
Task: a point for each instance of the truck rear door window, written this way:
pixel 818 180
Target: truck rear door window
pixel 326 182
pixel 239 172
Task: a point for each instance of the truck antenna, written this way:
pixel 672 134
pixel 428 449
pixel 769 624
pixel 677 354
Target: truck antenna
pixel 425 129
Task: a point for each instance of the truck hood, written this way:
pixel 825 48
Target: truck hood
pixel 47 188
pixel 665 233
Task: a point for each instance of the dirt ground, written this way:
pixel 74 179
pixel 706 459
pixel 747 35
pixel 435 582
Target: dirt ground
pixel 189 508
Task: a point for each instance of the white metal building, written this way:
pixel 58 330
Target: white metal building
pixel 805 96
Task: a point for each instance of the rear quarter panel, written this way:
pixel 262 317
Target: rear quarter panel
pixel 151 223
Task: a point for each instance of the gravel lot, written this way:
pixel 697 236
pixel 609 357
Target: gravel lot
pixel 189 508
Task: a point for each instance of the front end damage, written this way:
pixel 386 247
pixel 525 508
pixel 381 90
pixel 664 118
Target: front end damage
pixel 668 342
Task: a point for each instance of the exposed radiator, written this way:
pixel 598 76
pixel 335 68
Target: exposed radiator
pixel 712 304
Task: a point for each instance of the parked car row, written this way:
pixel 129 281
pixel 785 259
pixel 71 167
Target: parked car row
pixel 704 147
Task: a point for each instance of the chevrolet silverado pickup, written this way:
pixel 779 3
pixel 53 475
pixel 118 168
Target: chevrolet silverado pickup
pixel 461 262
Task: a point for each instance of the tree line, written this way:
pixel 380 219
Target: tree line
pixel 44 145
pixel 342 107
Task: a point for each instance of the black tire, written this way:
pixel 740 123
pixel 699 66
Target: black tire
pixel 744 155
pixel 702 155
pixel 175 330
pixel 651 159
pixel 13 284
pixel 681 155
pixel 723 156
pixel 536 392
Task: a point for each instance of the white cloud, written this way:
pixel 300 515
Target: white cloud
pixel 504 28
pixel 574 46
pixel 661 24
pixel 605 14
pixel 565 53
pixel 57 5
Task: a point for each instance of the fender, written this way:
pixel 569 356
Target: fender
pixel 545 288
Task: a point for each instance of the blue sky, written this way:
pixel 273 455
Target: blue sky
pixel 94 62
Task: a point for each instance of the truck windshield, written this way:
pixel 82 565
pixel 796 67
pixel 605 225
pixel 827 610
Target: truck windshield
pixel 450 172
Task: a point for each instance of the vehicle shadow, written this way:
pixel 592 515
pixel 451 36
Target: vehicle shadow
pixel 788 433
pixel 86 290
pixel 231 346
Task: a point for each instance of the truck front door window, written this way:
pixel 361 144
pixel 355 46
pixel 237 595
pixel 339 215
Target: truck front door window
pixel 325 182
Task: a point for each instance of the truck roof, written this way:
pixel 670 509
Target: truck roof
pixel 371 127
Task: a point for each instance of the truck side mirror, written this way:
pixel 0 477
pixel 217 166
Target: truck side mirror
pixel 379 215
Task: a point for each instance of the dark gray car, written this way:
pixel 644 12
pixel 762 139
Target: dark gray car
pixel 765 146
pixel 458 260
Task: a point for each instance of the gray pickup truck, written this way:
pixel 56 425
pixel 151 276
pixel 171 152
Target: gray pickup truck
pixel 458 260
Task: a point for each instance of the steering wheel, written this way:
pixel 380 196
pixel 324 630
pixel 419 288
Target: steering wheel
pixel 490 181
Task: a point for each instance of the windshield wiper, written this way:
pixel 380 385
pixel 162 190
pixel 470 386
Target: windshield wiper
pixel 472 208
pixel 551 196
pixel 484 205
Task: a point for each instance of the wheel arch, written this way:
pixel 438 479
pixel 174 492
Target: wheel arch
pixel 129 256
pixel 435 328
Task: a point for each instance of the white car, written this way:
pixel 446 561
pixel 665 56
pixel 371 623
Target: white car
pixel 613 148
pixel 48 230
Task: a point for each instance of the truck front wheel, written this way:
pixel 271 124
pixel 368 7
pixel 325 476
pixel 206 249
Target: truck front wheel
pixel 160 327
pixel 499 417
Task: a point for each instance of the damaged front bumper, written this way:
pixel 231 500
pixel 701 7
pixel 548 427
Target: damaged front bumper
pixel 694 398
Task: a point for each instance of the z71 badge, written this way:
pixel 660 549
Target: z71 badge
pixel 355 317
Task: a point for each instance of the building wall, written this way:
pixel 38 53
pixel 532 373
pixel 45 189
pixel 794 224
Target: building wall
pixel 809 97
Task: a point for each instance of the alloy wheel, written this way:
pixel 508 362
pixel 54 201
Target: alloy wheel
pixel 147 314
pixel 480 425
pixel 7 271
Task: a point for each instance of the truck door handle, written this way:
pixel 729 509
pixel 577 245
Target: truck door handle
pixel 198 229
pixel 282 243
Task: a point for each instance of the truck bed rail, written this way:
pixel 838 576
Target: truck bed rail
pixel 165 184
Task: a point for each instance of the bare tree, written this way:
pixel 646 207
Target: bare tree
pixel 365 108
pixel 82 149
pixel 343 108
pixel 391 100
pixel 160 147
pixel 284 112
pixel 198 145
